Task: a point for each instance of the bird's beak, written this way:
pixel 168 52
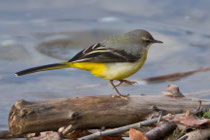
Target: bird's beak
pixel 157 41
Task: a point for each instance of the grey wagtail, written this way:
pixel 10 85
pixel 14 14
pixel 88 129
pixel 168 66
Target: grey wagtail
pixel 113 59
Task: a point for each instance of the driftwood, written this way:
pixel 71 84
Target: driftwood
pixel 198 134
pixel 94 111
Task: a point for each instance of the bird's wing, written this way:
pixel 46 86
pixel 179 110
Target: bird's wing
pixel 103 54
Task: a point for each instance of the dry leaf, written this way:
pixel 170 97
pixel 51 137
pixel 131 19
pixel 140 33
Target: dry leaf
pixel 136 135
pixel 189 121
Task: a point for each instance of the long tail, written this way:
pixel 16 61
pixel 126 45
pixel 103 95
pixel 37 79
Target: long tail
pixel 44 68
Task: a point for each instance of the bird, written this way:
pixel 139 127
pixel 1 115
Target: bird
pixel 115 58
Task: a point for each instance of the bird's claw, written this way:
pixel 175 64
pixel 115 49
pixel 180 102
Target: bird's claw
pixel 125 82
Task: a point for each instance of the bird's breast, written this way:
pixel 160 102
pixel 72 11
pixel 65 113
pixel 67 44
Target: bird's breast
pixel 122 70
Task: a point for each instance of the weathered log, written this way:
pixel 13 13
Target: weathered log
pixel 93 111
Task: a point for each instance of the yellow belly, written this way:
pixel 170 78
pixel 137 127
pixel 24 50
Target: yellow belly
pixel 112 71
pixel 120 71
pixel 96 69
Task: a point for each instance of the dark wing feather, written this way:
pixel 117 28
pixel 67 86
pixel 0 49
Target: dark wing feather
pixel 102 54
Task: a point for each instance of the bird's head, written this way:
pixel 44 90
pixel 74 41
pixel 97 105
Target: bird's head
pixel 143 37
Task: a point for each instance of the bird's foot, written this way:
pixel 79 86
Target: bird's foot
pixel 125 82
pixel 120 96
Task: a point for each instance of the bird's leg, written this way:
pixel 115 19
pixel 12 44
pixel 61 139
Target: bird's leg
pixel 118 93
pixel 117 85
pixel 128 83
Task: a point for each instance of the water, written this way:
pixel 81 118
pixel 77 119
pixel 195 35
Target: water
pixel 39 32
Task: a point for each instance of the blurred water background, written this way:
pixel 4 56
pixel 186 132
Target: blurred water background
pixel 37 32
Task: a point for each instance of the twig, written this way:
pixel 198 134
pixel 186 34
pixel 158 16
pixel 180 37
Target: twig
pixel 159 118
pixel 183 130
pixel 199 106
pixel 120 129
pixel 67 129
pixel 171 77
pixel 156 79
pixel 160 131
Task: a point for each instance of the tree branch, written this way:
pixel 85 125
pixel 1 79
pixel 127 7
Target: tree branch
pixel 120 129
